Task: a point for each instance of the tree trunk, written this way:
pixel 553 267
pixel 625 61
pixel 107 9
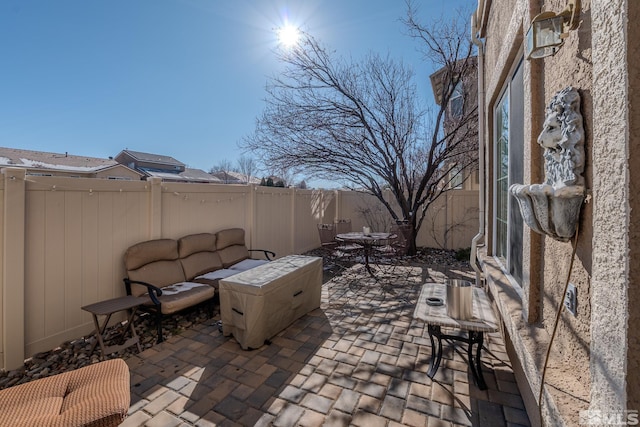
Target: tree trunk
pixel 413 246
pixel 408 232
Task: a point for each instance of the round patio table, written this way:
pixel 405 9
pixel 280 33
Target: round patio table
pixel 367 241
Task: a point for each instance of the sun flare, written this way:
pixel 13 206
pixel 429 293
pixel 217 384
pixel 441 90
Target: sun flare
pixel 289 35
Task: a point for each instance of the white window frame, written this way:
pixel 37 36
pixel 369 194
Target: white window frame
pixel 457 97
pixel 506 263
pixel 456 178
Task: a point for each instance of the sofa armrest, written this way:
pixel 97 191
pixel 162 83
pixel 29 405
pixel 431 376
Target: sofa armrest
pixel 267 254
pixel 154 291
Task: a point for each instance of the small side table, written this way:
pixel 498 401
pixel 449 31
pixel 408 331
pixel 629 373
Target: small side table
pixel 436 317
pixel 109 307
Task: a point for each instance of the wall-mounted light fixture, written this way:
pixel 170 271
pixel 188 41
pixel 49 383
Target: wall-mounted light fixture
pixel 548 30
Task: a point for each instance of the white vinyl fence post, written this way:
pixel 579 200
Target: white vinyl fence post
pixel 13 262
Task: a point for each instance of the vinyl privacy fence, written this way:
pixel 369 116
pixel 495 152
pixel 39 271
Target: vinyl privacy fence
pixel 63 239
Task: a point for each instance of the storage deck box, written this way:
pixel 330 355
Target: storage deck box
pixel 257 304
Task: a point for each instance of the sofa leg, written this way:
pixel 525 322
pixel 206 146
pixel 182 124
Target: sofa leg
pixel 159 326
pixel 211 307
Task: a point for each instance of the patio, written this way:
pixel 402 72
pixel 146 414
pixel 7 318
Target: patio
pixel 359 360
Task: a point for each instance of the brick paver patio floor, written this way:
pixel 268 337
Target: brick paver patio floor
pixel 361 360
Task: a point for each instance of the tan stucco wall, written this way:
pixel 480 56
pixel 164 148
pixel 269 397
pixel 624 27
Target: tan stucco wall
pixel 546 261
pixel 594 362
pixel 571 66
pixel 633 59
pixel 613 361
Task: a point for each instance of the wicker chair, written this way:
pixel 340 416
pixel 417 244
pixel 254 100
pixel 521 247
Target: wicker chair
pixel 397 245
pixel 335 253
pixel 327 233
pixel 97 395
pixel 343 226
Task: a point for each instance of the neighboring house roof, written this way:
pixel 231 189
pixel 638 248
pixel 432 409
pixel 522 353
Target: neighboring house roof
pixel 227 177
pixel 189 175
pixel 155 158
pixel 244 178
pixel 164 167
pixel 436 78
pixel 45 161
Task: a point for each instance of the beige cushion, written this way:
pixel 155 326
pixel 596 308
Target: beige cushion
pixel 153 250
pixel 229 237
pixel 212 278
pixel 233 254
pixel 231 246
pixel 182 295
pixel 202 242
pixel 248 264
pixel 198 254
pixel 96 395
pixel 200 263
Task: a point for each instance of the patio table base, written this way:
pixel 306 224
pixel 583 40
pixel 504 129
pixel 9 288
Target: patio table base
pixel 471 330
pixel 475 364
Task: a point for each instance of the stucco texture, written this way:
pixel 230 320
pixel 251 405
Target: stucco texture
pixel 571 66
pixel 546 261
pixel 633 59
pixel 613 360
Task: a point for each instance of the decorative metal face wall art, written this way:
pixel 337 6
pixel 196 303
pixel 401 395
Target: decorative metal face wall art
pixel 553 208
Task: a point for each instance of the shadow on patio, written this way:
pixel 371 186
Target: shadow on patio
pixel 361 359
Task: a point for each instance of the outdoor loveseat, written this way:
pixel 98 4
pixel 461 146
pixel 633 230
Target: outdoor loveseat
pixel 177 274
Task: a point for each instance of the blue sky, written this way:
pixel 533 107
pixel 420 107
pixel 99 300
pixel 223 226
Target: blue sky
pixel 183 78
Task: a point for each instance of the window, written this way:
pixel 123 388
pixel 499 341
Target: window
pixel 508 164
pixel 456 103
pixel 455 177
pixel 502 176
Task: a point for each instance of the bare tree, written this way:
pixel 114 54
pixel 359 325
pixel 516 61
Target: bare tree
pixel 287 176
pixel 221 170
pixel 362 122
pixel 247 167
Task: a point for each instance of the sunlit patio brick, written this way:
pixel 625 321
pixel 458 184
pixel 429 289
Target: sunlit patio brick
pixel 360 360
